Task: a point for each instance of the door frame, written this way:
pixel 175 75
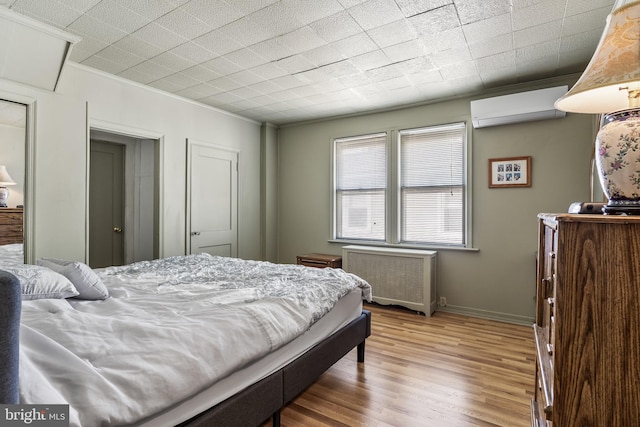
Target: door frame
pixel 29 197
pixel 137 133
pixel 190 143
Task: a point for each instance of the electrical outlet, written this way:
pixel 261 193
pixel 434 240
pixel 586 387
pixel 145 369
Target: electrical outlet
pixel 443 301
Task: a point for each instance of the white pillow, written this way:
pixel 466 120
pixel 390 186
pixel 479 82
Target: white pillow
pixel 86 281
pixel 40 282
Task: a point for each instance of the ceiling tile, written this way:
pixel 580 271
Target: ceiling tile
pixel 323 55
pixel 200 73
pixel 407 50
pixel 492 46
pixel 487 29
pixel 459 70
pixel 575 7
pixel 88 47
pixel 215 13
pixel 538 34
pixel 120 56
pixel 172 61
pixel 435 21
pixel 110 12
pixel 246 77
pixel 393 33
pixel 245 31
pixel 246 58
pixel 159 36
pixel 415 7
pixel 276 19
pixel 150 9
pixel 355 45
pixel 193 52
pixel 53 13
pixel 104 64
pixel 180 22
pixel 137 46
pixel 444 40
pixel 579 23
pixel 478 10
pixel 216 41
pixel 336 27
pixel 88 26
pixel 537 14
pixel 150 68
pixel 307 11
pixel 374 13
pixel 294 64
pixel 301 40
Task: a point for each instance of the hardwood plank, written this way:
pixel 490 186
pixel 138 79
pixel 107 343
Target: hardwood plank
pixel 446 370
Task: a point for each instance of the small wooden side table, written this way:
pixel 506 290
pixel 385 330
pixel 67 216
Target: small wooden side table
pixel 320 260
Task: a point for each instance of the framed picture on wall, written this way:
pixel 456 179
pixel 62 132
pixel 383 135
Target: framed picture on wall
pixel 510 172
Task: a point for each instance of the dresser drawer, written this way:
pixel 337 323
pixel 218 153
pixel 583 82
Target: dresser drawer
pixel 11 227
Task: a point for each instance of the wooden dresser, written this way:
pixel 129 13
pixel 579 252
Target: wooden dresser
pixel 11 226
pixel 587 326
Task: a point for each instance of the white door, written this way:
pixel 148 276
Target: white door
pixel 212 200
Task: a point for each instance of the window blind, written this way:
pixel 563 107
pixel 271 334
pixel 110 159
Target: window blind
pixel 361 186
pixel 432 185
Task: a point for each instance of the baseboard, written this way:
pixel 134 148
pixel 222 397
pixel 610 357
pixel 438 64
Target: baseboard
pixel 486 314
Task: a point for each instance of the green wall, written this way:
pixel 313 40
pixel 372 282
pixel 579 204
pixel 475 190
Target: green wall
pixel 496 280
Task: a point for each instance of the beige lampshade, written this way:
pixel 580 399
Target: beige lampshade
pixel 614 65
pixel 5 178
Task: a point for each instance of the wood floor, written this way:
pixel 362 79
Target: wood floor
pixel 447 370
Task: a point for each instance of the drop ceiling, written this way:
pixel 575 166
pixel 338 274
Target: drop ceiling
pixel 285 61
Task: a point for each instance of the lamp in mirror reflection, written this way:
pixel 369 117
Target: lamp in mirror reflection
pixel 610 85
pixel 5 180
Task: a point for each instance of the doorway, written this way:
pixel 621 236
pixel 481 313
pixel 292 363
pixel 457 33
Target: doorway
pixel 123 199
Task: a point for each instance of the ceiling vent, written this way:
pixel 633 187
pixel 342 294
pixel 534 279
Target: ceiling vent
pixel 31 52
pixel 517 107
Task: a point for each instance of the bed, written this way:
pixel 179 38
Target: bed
pixel 206 340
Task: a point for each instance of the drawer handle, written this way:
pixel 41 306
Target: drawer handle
pixel 551 301
pixel 550 348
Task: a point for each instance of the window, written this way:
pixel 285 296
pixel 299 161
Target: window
pixel 432 185
pixel 361 187
pixel 409 190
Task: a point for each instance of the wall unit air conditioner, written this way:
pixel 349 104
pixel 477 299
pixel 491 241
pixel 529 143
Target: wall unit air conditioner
pixel 517 107
pixel 403 277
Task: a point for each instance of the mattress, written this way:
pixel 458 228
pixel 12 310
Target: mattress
pixel 347 309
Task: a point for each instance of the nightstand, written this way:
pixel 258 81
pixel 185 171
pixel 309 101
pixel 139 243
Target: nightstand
pixel 320 260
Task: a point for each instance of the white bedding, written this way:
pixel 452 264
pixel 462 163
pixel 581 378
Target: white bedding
pixel 171 328
pixel 11 254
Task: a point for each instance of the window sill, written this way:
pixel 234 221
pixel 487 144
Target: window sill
pixel 403 246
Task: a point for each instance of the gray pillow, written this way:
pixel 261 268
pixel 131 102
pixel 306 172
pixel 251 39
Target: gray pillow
pixel 39 282
pixel 85 280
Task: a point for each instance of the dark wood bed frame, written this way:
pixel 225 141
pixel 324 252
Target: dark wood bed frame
pixel 249 407
pixel 267 397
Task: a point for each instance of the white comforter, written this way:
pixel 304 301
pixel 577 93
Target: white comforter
pixel 171 328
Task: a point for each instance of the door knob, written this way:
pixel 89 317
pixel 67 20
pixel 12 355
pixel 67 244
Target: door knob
pixel 117 230
pixel 195 233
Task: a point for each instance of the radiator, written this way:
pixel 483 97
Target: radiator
pixel 404 277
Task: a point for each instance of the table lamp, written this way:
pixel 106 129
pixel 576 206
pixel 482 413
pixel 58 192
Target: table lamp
pixel 610 85
pixel 5 179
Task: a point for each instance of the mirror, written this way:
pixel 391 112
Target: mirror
pixel 13 165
